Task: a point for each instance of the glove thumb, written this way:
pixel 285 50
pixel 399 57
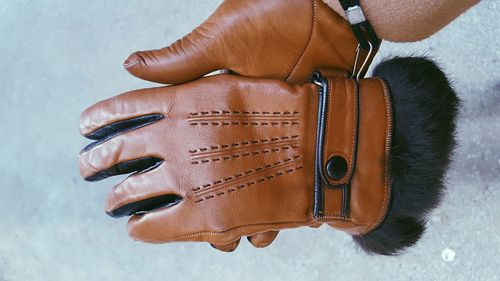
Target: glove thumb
pixel 187 59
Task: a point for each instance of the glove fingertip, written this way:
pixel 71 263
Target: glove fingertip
pixel 263 240
pixel 226 247
pixel 133 59
pixel 134 64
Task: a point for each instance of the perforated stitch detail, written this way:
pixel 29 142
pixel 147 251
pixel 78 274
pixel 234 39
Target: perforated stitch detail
pixel 243 118
pixel 243 113
pixel 246 143
pixel 244 123
pixel 244 154
pixel 249 183
pixel 217 183
pixel 239 150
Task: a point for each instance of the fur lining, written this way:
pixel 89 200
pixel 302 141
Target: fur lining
pixel 425 110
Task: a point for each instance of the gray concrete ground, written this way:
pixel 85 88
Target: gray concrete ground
pixel 59 56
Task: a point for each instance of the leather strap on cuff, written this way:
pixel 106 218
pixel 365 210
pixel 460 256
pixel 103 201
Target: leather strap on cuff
pixel 354 130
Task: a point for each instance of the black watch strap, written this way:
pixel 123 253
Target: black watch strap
pixel 360 25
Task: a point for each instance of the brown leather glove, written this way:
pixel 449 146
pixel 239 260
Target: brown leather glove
pixel 227 156
pixel 284 40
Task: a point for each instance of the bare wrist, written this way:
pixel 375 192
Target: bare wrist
pixel 408 21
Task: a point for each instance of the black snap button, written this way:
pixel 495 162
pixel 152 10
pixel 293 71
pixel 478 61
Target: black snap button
pixel 336 167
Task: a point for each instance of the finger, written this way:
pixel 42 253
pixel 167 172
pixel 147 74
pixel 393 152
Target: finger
pixel 227 247
pixel 185 222
pixel 143 192
pixel 185 60
pixel 127 106
pixel 123 154
pixel 263 240
pixel 123 126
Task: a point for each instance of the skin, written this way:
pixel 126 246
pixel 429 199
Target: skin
pixel 408 21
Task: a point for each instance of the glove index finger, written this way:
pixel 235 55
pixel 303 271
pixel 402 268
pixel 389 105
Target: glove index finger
pixel 132 109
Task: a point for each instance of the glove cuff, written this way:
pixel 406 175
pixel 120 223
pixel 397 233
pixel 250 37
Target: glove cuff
pixel 354 128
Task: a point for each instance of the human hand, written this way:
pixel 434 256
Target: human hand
pixel 284 40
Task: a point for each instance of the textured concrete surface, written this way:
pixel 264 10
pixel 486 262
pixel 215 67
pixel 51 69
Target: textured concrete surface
pixel 58 57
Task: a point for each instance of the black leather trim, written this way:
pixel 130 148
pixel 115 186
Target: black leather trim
pixel 140 165
pixel 146 205
pixel 123 125
pixel 322 82
pixel 110 131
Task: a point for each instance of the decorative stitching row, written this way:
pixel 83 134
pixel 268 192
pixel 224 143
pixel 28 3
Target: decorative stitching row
pixel 209 187
pixel 250 183
pixel 244 123
pixel 242 144
pixel 237 112
pixel 244 154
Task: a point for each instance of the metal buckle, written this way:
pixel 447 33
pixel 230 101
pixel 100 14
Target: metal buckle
pixel 365 63
pixel 355 15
